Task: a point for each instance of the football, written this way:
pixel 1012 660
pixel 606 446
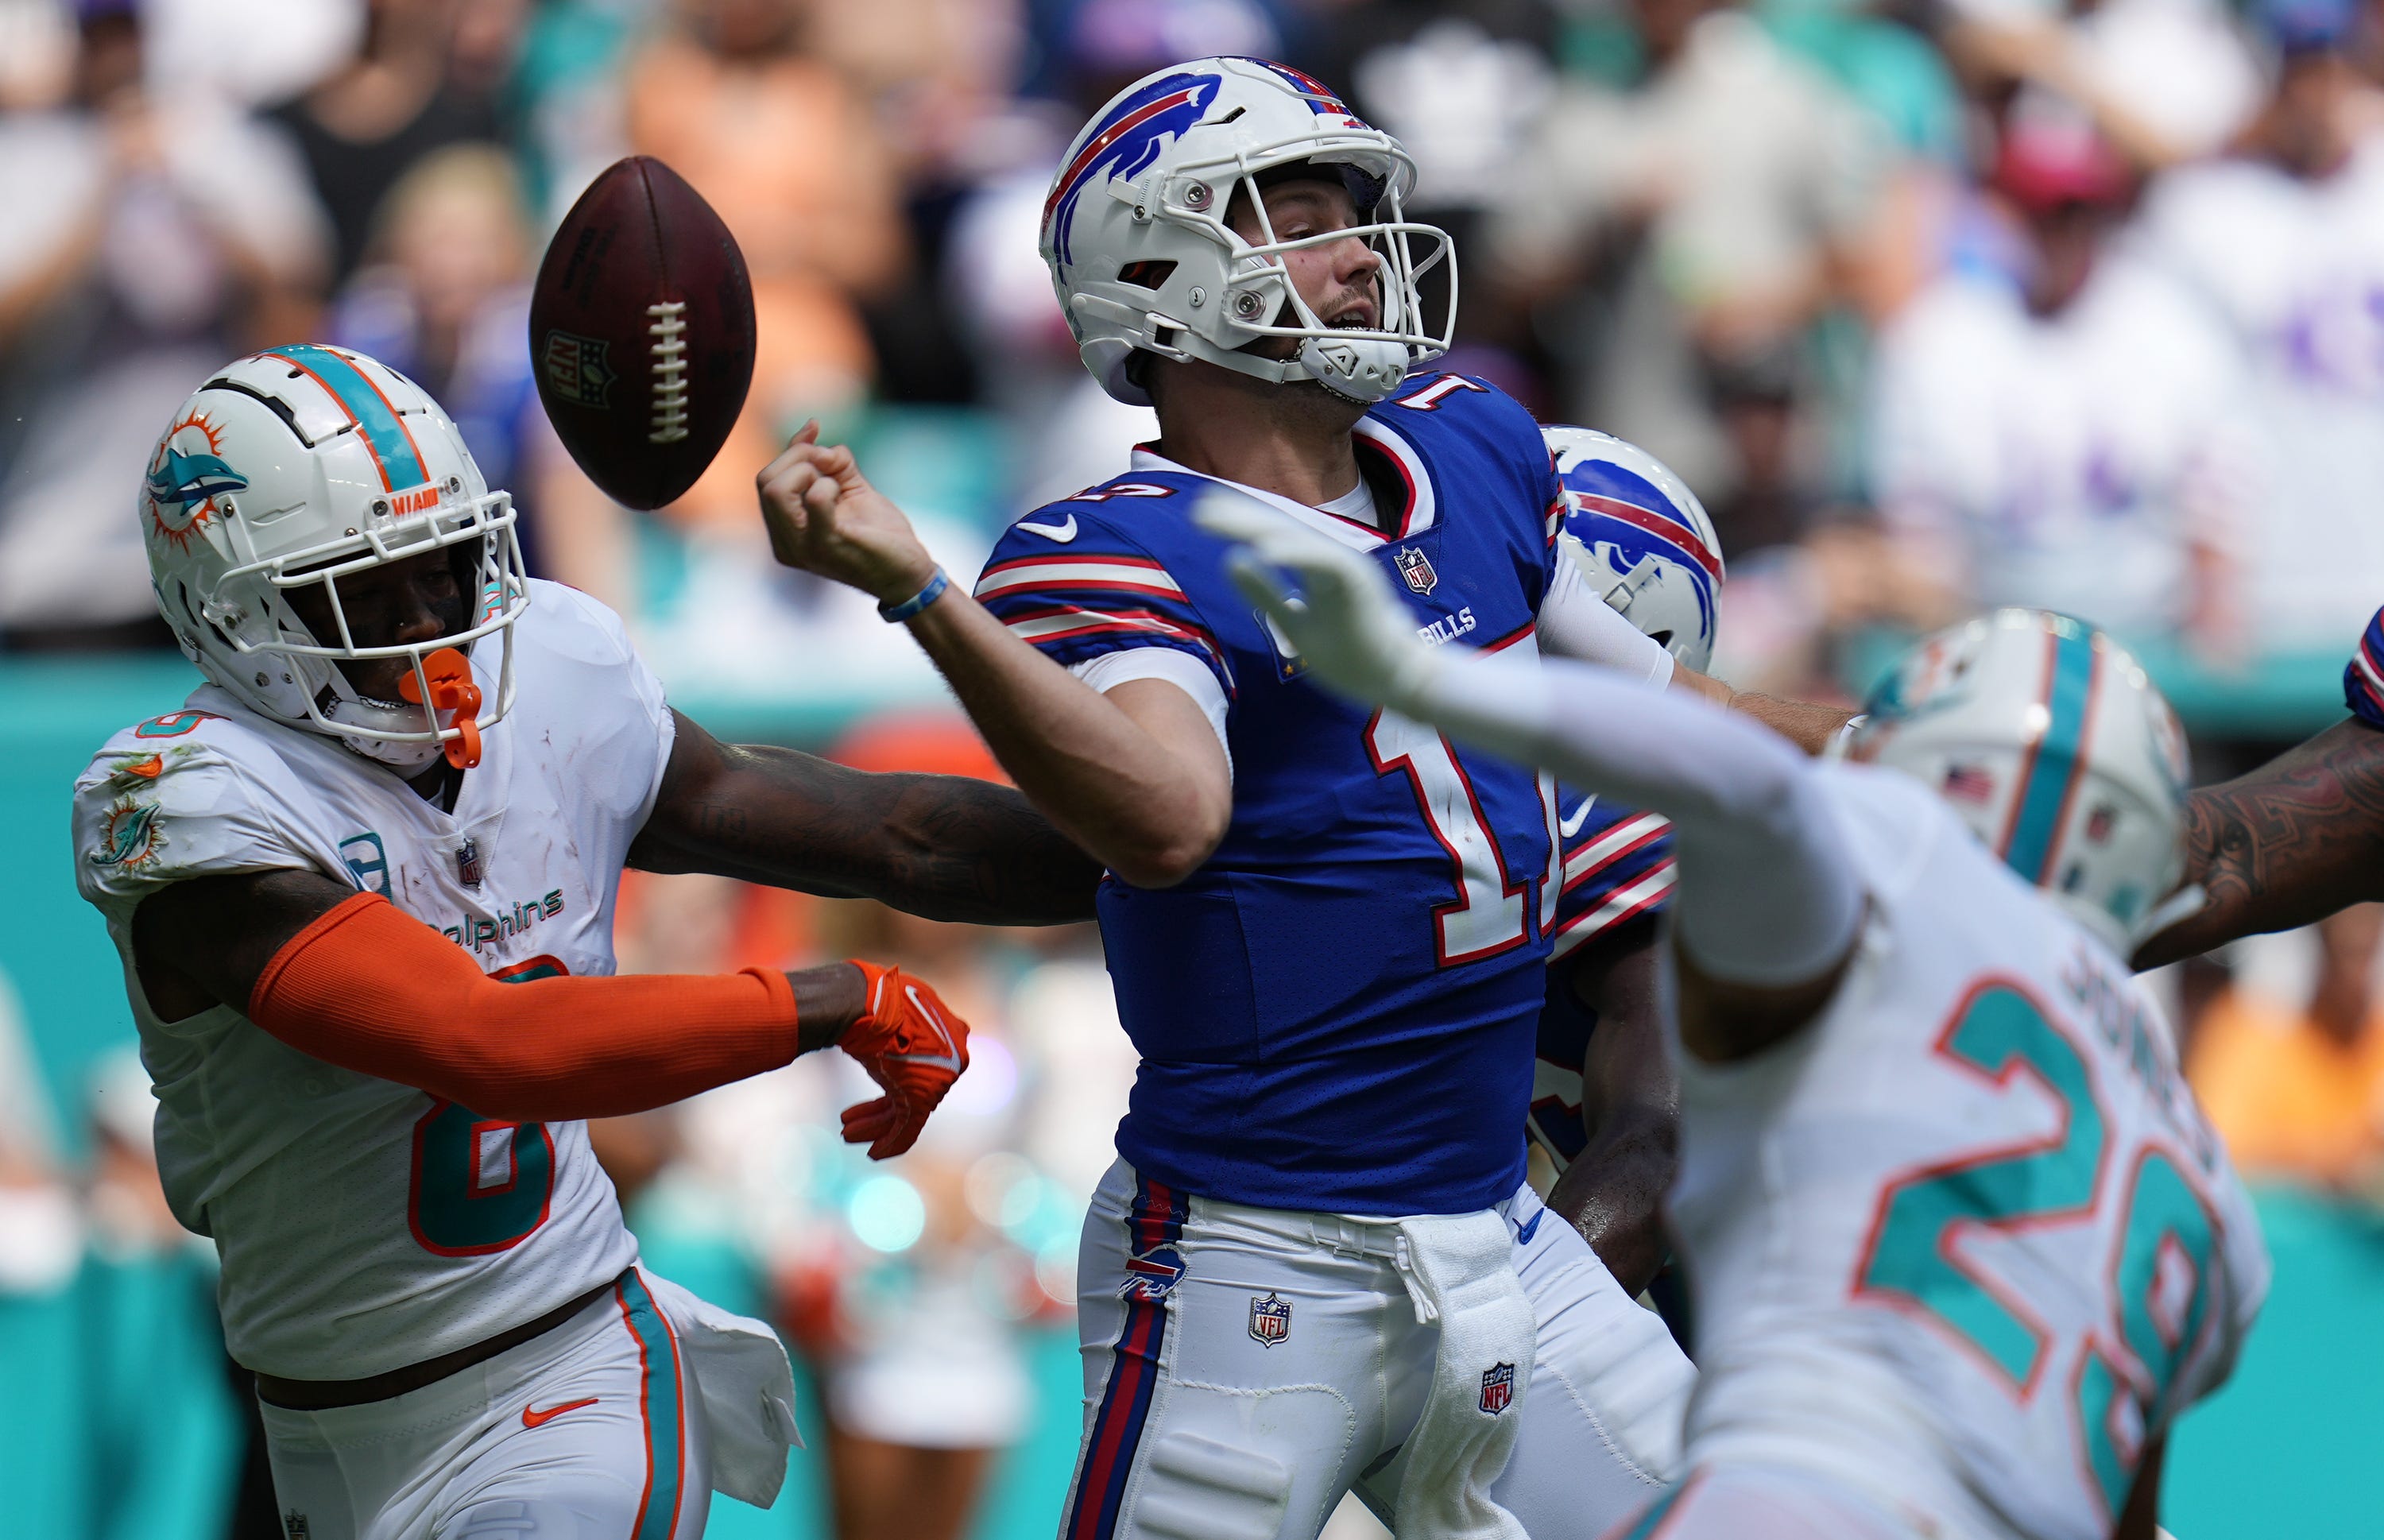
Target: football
pixel 641 330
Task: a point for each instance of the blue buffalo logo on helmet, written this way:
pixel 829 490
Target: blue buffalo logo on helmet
pixel 1126 144
pixel 1608 503
pixel 186 476
pixel 1319 97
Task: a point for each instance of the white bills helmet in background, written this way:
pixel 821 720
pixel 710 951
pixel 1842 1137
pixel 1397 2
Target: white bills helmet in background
pixel 299 467
pixel 1134 231
pixel 2052 743
pixel 1640 538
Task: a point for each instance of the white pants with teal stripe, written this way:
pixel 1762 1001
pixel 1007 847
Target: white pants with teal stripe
pixel 1246 1367
pixel 486 1453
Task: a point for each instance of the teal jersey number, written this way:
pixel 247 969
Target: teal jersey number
pixel 2166 1246
pixel 456 1204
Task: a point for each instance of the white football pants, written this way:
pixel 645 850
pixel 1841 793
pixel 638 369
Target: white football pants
pixel 591 1431
pixel 1748 1502
pixel 1245 1367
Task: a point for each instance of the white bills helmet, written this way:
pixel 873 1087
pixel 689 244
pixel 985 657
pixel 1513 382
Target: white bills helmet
pixel 2051 743
pixel 1640 538
pixel 298 468
pixel 1141 256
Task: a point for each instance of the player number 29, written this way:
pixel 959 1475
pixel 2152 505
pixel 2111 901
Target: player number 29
pixel 2166 1248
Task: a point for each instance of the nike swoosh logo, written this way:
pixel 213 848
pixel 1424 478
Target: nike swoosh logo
pixel 1524 1233
pixel 1580 815
pixel 950 1057
pixel 533 1418
pixel 1063 533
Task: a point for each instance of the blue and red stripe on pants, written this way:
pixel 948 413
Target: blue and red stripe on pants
pixel 1153 1227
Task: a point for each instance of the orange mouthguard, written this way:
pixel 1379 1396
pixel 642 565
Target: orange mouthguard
pixel 452 689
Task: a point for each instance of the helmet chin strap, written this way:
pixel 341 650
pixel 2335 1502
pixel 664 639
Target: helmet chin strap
pixel 1362 368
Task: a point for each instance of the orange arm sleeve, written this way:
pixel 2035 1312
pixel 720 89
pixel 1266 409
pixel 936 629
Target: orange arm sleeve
pixel 370 989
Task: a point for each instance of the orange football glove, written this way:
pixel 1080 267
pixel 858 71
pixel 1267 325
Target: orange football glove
pixel 911 1044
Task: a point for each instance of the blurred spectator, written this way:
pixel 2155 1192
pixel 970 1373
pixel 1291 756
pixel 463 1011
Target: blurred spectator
pixel 786 151
pixel 149 236
pixel 924 1376
pixel 399 98
pixel 1068 432
pixel 2162 81
pixel 2285 239
pixel 2071 438
pixel 446 299
pixel 165 1439
pixel 1729 193
pixel 41 1231
pixel 2300 1093
pixel 249 52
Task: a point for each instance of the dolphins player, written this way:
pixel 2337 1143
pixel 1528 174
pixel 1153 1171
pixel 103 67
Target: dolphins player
pixel 1327 926
pixel 362 883
pixel 1962 1244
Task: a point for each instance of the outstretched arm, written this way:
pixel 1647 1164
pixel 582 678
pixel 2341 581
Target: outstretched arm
pixel 1576 623
pixel 948 847
pixel 1614 1191
pixel 1134 776
pixel 1768 903
pixel 350 980
pixel 2290 843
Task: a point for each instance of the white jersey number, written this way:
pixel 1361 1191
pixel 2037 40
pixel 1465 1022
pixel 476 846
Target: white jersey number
pixel 1487 917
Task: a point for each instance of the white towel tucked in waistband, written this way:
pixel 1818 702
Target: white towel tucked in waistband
pixel 747 1388
pixel 1460 1270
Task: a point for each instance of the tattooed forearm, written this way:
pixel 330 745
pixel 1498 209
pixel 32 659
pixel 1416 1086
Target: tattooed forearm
pixel 947 847
pixel 2293 842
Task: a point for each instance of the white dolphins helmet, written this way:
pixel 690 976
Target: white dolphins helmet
pixel 1641 538
pixel 1141 256
pixel 300 467
pixel 2057 749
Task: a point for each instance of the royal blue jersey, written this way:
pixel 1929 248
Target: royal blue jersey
pixel 2362 676
pixel 1617 865
pixel 1335 1012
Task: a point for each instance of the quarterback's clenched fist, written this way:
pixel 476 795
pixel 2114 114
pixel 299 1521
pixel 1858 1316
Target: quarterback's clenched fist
pixel 824 516
pixel 913 1046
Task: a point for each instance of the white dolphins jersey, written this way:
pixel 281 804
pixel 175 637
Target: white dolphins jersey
pixel 1967 1241
pixel 364 1225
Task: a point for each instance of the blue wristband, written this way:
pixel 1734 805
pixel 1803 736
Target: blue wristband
pixel 917 601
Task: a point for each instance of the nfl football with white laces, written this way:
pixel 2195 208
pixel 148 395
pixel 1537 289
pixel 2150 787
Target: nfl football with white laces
pixel 641 332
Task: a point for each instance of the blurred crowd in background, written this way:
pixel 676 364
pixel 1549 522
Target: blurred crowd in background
pixel 1937 303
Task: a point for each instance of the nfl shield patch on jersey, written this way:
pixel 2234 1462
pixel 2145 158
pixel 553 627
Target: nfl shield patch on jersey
pixel 1269 1319
pixel 1416 567
pixel 1498 1388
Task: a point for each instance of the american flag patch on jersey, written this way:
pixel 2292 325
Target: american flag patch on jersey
pixel 1967 783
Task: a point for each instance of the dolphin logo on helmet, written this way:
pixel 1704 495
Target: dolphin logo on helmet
pixel 183 480
pixel 343 465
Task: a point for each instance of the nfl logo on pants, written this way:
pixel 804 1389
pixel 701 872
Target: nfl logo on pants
pixel 1269 1319
pixel 1498 1388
